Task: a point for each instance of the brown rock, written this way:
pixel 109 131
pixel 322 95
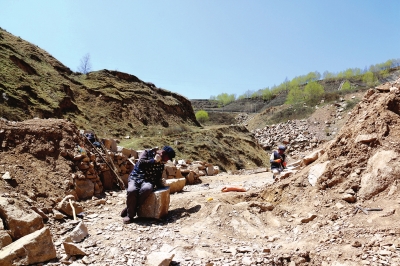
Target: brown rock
pixel 33 248
pixel 20 222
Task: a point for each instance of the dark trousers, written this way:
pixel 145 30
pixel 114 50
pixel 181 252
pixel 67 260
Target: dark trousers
pixel 137 192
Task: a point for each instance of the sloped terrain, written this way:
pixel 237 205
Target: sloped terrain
pixel 316 216
pixel 288 222
pixel 35 84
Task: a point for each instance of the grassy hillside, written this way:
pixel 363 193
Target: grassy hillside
pixel 114 104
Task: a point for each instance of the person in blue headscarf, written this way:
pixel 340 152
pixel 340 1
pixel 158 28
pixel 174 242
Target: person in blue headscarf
pixel 144 178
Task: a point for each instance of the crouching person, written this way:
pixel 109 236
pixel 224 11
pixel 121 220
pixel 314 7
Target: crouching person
pixel 278 161
pixel 145 177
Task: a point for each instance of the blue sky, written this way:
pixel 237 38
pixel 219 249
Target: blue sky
pixel 204 48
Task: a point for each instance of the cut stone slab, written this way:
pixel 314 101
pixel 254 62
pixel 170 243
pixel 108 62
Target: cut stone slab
pixel 19 222
pixel 79 233
pixel 30 249
pixel 5 239
pixel 159 259
pixel 156 205
pixel 72 249
pixel 312 157
pixel 382 170
pixel 175 185
pixel 7 176
pixel 366 138
pixel 84 188
pixel 316 171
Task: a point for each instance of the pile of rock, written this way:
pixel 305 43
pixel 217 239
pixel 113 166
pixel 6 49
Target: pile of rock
pixel 86 179
pixel 99 169
pixel 294 133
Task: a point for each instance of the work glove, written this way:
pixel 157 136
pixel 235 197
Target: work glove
pixel 284 164
pixel 278 161
pixel 157 158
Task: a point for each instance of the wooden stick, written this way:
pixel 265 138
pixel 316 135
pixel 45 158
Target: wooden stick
pixel 73 209
pixel 112 168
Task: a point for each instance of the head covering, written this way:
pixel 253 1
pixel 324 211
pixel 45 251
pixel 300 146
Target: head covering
pixel 282 148
pixel 170 152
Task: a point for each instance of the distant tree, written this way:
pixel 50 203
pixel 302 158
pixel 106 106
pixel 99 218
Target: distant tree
pixel 349 73
pixel 295 96
pixel 266 94
pixel 313 93
pixel 346 86
pixel 225 98
pixel 312 76
pixel 85 66
pixel 255 95
pixel 369 78
pixel 202 116
pixel 285 84
pixel 328 75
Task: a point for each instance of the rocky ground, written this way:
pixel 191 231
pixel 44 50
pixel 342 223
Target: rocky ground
pixel 340 207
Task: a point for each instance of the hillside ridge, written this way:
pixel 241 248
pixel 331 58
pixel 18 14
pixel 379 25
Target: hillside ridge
pixel 35 84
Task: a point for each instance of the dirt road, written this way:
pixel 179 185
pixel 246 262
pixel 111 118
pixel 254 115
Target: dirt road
pixel 208 227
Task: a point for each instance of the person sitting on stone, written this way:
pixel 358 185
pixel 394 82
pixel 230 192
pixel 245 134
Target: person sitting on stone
pixel 278 160
pixel 144 178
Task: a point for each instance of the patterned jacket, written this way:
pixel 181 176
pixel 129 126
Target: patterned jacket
pixel 147 169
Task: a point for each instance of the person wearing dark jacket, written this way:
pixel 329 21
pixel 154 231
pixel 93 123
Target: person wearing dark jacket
pixel 278 160
pixel 144 178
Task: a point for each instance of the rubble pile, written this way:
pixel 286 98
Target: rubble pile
pixel 363 158
pixel 294 133
pixel 177 173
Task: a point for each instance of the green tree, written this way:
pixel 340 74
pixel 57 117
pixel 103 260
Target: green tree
pixel 266 94
pixel 346 86
pixel 313 93
pixel 202 116
pixel 295 96
pixel 225 98
pixel 328 75
pixel 369 78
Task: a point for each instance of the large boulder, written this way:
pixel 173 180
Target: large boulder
pixel 18 221
pixel 84 188
pixel 316 171
pixel 5 239
pixel 156 205
pixel 382 169
pixel 33 248
pixel 176 185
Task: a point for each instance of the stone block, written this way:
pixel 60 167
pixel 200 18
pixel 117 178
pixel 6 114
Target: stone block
pixel 125 179
pixel 156 205
pixel 175 185
pixel 20 222
pixel 84 188
pixel 178 174
pixel 170 169
pixel 107 180
pixel 210 170
pixel 5 239
pixel 190 178
pixel 33 248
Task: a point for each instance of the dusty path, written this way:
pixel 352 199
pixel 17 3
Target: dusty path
pixel 208 227
pixel 203 225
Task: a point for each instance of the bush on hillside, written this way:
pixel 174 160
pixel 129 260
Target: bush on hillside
pixel 202 116
pixel 313 93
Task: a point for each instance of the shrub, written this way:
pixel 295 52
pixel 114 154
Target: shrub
pixel 176 130
pixel 202 116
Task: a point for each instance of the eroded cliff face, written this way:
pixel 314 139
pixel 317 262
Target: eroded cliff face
pixel 35 84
